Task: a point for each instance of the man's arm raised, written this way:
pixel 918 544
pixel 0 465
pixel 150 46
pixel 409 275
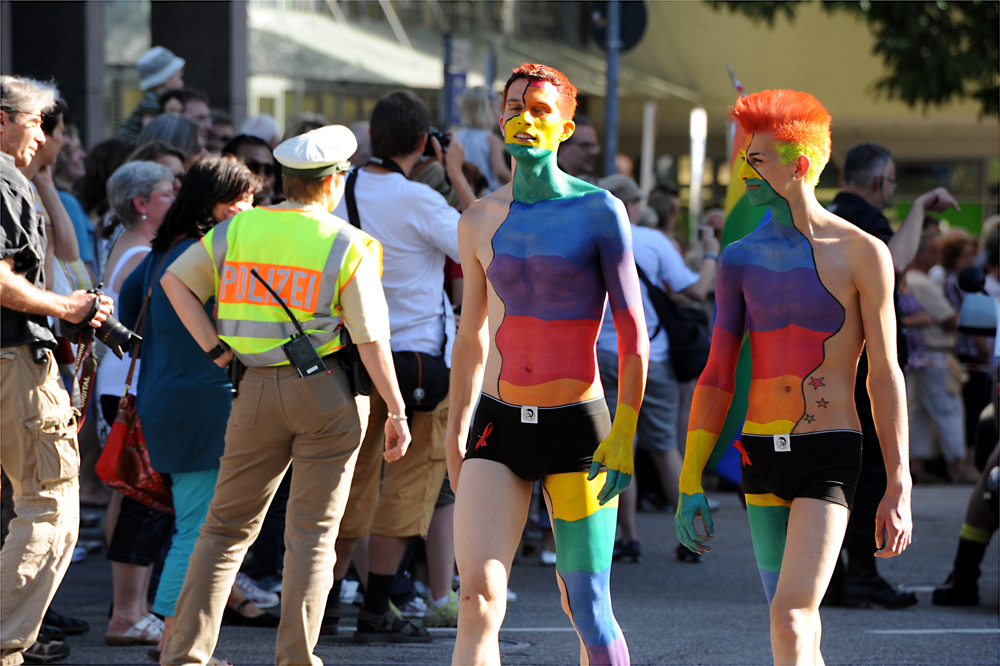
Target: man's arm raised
pixel 710 404
pixel 874 270
pixel 469 353
pixel 904 243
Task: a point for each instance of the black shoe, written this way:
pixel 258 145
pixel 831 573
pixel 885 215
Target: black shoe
pixel 388 628
pixel 53 633
pixel 235 616
pixel 955 593
pixel 69 625
pixel 627 551
pixel 46 650
pixel 685 555
pixel 873 591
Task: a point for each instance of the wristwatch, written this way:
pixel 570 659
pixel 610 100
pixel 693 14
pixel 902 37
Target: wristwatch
pixel 217 351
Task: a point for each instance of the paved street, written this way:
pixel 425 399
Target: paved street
pixel 671 613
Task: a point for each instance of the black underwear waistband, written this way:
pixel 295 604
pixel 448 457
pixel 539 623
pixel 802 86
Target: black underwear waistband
pixel 559 414
pixel 820 439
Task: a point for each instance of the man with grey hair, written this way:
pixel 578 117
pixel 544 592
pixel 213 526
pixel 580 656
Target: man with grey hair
pixel 868 179
pixel 40 454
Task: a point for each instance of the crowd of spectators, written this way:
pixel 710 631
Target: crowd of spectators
pixel 120 213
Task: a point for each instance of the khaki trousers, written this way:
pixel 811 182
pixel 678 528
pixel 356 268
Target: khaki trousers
pixel 397 499
pixel 278 418
pixel 39 454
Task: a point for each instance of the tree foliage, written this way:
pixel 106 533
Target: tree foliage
pixel 934 51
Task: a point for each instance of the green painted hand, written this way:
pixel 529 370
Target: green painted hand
pixel 615 452
pixel 689 507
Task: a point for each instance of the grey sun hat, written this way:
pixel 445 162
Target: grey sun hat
pixel 156 66
pixel 621 186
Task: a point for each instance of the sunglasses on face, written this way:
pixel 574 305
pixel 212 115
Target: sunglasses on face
pixel 260 168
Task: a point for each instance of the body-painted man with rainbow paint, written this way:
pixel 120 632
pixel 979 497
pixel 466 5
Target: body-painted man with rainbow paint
pixel 540 257
pixel 810 290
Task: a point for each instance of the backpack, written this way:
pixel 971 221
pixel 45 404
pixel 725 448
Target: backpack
pixel 687 329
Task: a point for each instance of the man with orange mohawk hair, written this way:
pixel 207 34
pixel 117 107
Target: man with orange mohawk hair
pixel 541 255
pixel 811 290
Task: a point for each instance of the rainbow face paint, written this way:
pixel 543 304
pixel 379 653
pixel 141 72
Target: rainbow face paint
pixel 532 118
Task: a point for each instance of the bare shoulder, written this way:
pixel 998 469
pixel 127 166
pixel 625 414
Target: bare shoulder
pixel 489 210
pixel 868 256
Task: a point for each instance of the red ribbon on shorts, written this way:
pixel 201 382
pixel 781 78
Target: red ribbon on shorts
pixel 743 452
pixel 486 433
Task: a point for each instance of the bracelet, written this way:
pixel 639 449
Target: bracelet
pixel 710 256
pixel 217 351
pixel 397 417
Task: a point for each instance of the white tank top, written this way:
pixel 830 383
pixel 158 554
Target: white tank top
pixel 112 372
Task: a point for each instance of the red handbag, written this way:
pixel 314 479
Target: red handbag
pixel 124 463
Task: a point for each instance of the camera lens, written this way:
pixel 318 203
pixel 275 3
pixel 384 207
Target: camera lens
pixel 118 338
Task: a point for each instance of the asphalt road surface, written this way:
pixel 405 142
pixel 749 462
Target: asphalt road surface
pixel 671 612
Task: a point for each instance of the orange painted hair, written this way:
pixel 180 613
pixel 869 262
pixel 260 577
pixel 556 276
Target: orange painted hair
pixel 799 124
pixel 536 72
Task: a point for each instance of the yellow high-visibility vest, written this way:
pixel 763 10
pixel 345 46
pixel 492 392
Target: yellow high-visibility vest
pixel 307 257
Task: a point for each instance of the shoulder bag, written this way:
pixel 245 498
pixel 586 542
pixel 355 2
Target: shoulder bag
pixel 124 463
pixel 687 329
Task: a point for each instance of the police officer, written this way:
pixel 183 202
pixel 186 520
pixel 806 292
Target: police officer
pixel 327 274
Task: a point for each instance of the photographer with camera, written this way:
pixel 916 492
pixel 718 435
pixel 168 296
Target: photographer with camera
pixel 440 167
pixel 416 228
pixel 40 453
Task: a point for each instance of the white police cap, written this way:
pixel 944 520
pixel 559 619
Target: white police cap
pixel 317 153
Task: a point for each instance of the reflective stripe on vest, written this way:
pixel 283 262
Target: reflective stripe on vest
pixel 258 343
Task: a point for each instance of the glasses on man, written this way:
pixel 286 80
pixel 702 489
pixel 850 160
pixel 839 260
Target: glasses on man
pixel 588 146
pixel 263 169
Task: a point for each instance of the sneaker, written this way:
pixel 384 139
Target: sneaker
pixel 445 615
pixel 423 591
pixel 270 583
pixel 46 650
pixel 413 609
pixel 261 598
pixel 387 628
pixel 627 551
pixel 548 558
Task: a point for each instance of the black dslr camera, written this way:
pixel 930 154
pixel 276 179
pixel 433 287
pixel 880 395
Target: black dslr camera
pixel 118 338
pixel 442 138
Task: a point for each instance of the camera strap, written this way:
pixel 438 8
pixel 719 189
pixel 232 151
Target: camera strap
pixel 386 163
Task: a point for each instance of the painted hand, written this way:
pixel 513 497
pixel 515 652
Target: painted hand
pixel 689 507
pixel 615 452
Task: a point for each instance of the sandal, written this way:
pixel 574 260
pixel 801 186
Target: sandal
pixel 388 628
pixel 235 616
pixel 147 631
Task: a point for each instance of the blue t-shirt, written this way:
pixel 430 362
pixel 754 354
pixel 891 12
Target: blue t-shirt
pixel 662 264
pixel 182 398
pixel 84 229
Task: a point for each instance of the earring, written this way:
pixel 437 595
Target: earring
pixel 795 177
pixel 144 217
